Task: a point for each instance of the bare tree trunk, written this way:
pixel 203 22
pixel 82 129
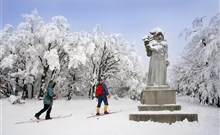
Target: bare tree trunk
pixel 43 77
pixel 218 103
pixel 91 91
pixel 70 93
pixel 32 91
pixel 25 92
pixel 16 88
pixel 92 86
pixel 43 81
pixel 9 88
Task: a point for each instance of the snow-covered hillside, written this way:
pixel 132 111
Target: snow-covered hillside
pixel 113 124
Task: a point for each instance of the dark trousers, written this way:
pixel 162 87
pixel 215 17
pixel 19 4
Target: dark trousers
pixel 102 98
pixel 47 108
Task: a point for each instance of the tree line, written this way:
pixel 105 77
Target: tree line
pixel 37 52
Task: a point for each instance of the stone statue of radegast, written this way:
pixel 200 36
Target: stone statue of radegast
pixel 157 50
pixel 157 91
pixel 158 96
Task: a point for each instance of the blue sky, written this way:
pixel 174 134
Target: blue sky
pixel 132 18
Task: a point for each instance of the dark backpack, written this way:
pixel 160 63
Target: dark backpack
pixel 98 90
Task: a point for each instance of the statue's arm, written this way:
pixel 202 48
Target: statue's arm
pixel 147 47
pixel 152 46
pixel 166 55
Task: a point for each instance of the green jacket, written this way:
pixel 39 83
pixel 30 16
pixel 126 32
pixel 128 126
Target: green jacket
pixel 48 95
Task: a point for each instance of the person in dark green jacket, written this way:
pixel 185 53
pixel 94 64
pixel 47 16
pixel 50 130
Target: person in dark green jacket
pixel 48 101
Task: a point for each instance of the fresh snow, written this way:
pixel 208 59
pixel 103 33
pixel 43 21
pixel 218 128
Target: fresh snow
pixel 7 61
pixel 52 59
pixel 113 124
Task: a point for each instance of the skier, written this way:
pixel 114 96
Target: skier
pixel 102 94
pixel 48 101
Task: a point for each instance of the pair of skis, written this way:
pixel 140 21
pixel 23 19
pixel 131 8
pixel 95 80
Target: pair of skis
pixel 39 120
pixel 102 114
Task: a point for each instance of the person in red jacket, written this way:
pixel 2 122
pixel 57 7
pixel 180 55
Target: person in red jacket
pixel 102 94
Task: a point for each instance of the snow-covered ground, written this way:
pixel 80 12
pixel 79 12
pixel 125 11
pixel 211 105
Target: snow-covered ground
pixel 114 124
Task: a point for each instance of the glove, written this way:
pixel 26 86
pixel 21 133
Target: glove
pixel 55 96
pixel 109 96
pixel 94 95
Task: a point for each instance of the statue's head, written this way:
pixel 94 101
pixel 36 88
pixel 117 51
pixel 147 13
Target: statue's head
pixel 157 34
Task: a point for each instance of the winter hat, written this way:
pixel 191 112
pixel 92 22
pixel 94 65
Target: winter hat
pixel 102 79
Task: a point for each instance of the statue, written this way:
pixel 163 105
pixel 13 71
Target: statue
pixel 157 50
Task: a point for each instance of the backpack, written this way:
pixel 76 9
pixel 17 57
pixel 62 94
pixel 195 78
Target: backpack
pixel 98 90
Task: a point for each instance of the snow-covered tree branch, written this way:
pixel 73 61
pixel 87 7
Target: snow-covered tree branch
pixel 198 72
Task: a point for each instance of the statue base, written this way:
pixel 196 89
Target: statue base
pixel 159 107
pixel 156 100
pixel 158 96
pixel 164 117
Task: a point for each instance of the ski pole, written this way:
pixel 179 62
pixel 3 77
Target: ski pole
pixel 93 111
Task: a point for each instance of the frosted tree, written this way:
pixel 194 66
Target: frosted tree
pixel 18 46
pixel 109 56
pixel 103 60
pixel 37 52
pixel 129 80
pixel 75 69
pixel 53 38
pixel 198 72
pixel 38 49
pixel 7 58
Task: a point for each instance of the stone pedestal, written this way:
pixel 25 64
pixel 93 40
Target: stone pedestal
pixel 159 107
pixel 158 99
pixel 158 95
pixel 164 118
